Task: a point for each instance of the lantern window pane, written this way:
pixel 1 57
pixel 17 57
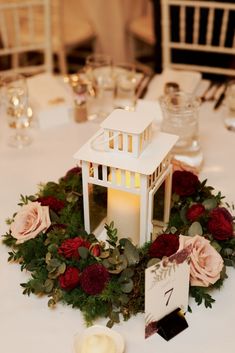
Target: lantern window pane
pixel 130 144
pixel 97 206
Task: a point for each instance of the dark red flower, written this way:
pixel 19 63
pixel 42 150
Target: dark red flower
pixel 94 279
pixel 69 247
pixel 195 211
pixel 69 279
pixel 220 223
pixel 73 171
pixel 164 245
pixel 184 183
pixel 51 201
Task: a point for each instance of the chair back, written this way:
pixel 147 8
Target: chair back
pixel 199 35
pixel 19 39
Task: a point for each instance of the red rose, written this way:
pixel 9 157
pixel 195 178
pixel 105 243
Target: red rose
pixel 73 171
pixel 69 279
pixel 51 201
pixel 184 183
pixel 69 247
pixel 195 211
pixel 94 279
pixel 95 250
pixel 164 245
pixel 220 223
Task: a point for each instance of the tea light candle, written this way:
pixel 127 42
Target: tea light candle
pixel 98 343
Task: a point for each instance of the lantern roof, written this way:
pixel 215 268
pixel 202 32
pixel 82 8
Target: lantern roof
pixel 128 122
pixel 159 147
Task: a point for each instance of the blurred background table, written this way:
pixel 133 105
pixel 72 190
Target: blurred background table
pixel 27 324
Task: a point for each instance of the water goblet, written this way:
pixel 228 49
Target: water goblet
pixel 99 71
pixel 15 99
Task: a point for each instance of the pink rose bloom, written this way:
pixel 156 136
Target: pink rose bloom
pixel 30 221
pixel 206 263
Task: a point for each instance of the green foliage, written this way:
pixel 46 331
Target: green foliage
pixel 200 294
pixel 123 295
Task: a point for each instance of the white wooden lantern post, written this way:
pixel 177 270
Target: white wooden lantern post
pixel 131 161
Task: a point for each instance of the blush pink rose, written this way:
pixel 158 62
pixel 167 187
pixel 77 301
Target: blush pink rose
pixel 206 263
pixel 30 221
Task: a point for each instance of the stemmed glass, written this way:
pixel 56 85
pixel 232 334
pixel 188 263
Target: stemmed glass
pixel 99 71
pixel 15 98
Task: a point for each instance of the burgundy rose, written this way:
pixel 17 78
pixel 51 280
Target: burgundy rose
pixel 184 183
pixel 220 223
pixel 73 171
pixel 69 247
pixel 94 279
pixel 164 245
pixel 195 211
pixel 95 250
pixel 69 279
pixel 51 201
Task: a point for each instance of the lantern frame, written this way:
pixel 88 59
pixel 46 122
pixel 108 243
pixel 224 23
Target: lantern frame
pixel 134 148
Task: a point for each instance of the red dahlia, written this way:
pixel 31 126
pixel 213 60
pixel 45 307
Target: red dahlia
pixel 195 211
pixel 94 279
pixel 51 201
pixel 184 183
pixel 69 279
pixel 164 245
pixel 220 223
pixel 69 247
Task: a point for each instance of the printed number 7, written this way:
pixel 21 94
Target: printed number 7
pixel 169 292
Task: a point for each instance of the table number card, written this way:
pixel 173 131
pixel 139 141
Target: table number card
pixel 166 294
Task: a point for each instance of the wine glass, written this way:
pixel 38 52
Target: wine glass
pixel 15 98
pixel 99 71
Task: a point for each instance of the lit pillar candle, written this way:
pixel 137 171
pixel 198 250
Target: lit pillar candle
pixel 124 210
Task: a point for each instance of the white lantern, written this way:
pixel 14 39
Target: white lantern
pixel 132 160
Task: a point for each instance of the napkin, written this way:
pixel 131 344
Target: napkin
pixel 50 100
pixel 188 81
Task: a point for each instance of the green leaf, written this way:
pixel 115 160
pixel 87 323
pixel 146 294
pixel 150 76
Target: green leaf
pixel 153 261
pixel 83 252
pixel 48 285
pixel 131 253
pixel 127 286
pixel 195 229
pixel 209 204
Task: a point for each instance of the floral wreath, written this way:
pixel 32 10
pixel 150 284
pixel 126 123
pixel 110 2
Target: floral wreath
pixel 106 279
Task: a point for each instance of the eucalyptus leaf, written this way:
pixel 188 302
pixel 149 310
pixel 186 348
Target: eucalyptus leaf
pixel 48 285
pixel 52 248
pixel 83 252
pixel 114 316
pixel 127 273
pixel 131 253
pixel 62 268
pixel 183 215
pixel 127 286
pixel 153 261
pixel 51 303
pixel 71 197
pixel 209 204
pixel 195 229
pixel 106 263
pixel 124 299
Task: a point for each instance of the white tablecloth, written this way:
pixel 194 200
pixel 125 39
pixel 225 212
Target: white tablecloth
pixel 27 325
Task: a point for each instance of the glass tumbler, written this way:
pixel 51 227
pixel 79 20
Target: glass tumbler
pixel 180 117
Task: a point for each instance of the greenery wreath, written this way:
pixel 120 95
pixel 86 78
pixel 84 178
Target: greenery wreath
pixel 106 279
